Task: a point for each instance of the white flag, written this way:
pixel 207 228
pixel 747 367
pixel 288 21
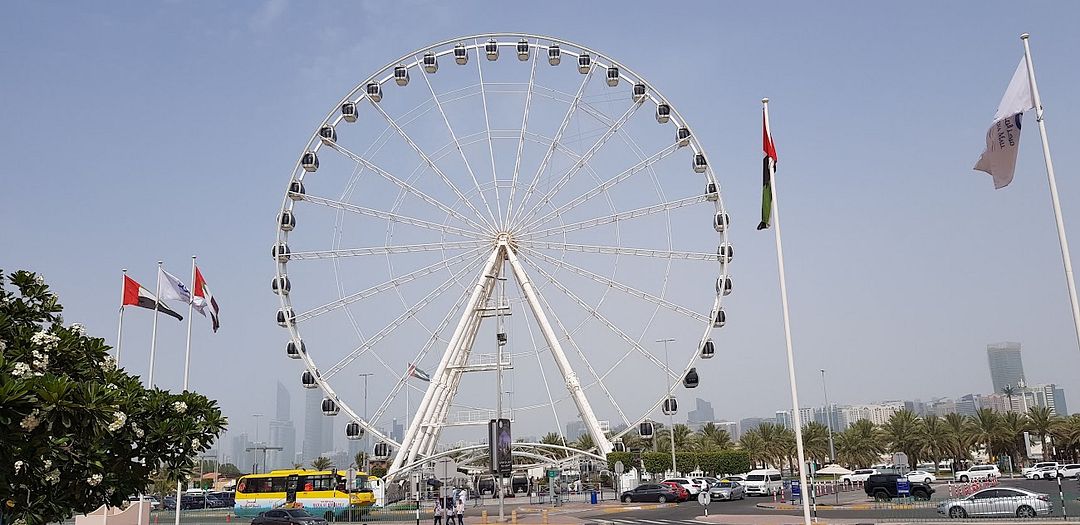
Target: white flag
pixel 1003 137
pixel 171 288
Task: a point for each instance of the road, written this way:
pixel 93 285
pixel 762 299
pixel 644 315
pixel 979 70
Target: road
pixel 854 506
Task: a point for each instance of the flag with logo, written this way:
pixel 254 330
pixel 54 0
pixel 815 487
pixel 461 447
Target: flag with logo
pixel 204 301
pixel 1003 137
pixel 136 295
pixel 768 170
pixel 171 288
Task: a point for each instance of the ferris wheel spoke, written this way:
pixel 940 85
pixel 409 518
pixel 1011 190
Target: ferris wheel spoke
pixel 464 158
pixel 625 288
pixel 423 156
pixel 487 128
pixel 617 217
pixel 543 378
pixel 554 143
pixel 524 127
pixel 388 250
pixel 585 159
pixel 406 186
pixel 366 346
pixel 619 250
pixel 395 217
pixel 603 320
pixel 388 285
pixel 603 187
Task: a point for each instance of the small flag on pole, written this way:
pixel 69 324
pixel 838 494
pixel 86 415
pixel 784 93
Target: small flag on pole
pixel 171 289
pixel 417 373
pixel 204 300
pixel 136 295
pixel 1003 137
pixel 768 169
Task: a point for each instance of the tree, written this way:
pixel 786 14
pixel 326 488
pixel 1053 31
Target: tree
pixel 230 471
pixel 753 445
pixel 958 432
pixel 934 439
pixel 816 441
pixel 713 438
pixel 1009 392
pixel 903 431
pixel 859 445
pixel 583 442
pixel 75 431
pixel 986 430
pixel 682 437
pixel 1013 426
pixel 321 463
pixel 1040 422
pixel 360 459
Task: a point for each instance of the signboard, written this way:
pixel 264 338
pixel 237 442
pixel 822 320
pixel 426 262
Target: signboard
pixel 552 473
pixel 499 441
pixel 619 468
pixel 903 486
pixel 703 498
pixel 796 489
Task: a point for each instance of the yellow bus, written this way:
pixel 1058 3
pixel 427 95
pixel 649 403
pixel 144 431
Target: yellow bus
pixel 321 492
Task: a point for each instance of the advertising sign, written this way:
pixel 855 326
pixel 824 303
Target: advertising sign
pixel 499 441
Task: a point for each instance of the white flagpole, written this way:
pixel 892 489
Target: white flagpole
pixel 120 328
pixel 796 417
pixel 1066 260
pixel 153 334
pixel 187 362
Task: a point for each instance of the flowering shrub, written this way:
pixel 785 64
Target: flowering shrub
pixel 75 431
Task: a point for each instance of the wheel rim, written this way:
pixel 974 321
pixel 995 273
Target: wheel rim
pixel 957 512
pixel 459 224
pixel 1025 512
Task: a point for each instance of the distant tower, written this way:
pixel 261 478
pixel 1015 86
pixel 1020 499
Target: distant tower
pixel 314 423
pixel 282 431
pixel 1006 366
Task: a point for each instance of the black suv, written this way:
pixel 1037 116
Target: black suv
pixel 882 487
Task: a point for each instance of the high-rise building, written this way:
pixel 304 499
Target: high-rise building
pixel 731 427
pixel 243 459
pixel 703 413
pixel 574 430
pixel 314 424
pixel 878 413
pixel 282 432
pixel 397 431
pixel 1006 366
pixel 1060 408
pixel 749 423
pixel 830 417
pixel 968 405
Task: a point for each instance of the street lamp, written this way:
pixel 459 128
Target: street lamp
pixel 828 416
pixel 671 416
pixel 255 458
pixel 367 441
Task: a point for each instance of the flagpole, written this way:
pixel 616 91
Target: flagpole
pixel 187 362
pixel 1066 260
pixel 153 333
pixel 796 417
pixel 120 328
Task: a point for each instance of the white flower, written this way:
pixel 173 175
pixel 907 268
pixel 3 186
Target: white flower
pixel 111 386
pixel 46 463
pixel 53 476
pixel 20 369
pixel 19 466
pixel 41 361
pixel 3 345
pixel 109 363
pixel 39 279
pixel 195 443
pixel 94 480
pixel 138 431
pixel 119 418
pixel 30 422
pixel 78 328
pixel 45 340
pixel 180 407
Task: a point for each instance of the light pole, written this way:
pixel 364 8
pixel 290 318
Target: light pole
pixel 255 458
pixel 828 416
pixel 671 417
pixel 367 441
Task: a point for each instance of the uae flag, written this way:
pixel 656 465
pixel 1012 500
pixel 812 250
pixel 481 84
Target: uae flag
pixel 136 295
pixel 419 374
pixel 768 169
pixel 204 300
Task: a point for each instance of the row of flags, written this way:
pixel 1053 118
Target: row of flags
pixel 171 288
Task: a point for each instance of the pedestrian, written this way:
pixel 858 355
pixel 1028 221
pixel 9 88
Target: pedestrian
pixel 440 511
pixel 459 509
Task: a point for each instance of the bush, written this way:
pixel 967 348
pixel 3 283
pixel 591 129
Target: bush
pixel 75 431
pixel 627 459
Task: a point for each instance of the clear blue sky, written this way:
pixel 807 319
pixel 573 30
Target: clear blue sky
pixel 143 131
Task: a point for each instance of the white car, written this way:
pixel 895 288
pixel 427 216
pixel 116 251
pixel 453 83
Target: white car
pixel 690 486
pixel 977 473
pixel 921 476
pixel 1072 470
pixel 1037 466
pixel 1048 472
pixel 763 482
pixel 859 476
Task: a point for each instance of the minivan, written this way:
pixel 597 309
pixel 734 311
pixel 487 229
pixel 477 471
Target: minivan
pixel 763 482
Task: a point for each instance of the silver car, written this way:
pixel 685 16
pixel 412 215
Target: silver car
pixel 726 489
pixel 998 502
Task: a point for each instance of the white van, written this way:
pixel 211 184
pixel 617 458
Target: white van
pixel 763 482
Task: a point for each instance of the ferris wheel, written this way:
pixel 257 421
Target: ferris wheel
pixel 501 225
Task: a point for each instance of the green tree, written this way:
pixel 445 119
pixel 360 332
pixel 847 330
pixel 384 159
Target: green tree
pixel 958 432
pixel 230 471
pixel 75 431
pixel 1009 392
pixel 713 438
pixel 552 438
pixel 986 429
pixel 360 459
pixel 1040 422
pixel 903 432
pixel 321 463
pixel 859 445
pixel 816 441
pixel 753 445
pixel 1013 426
pixel 934 439
pixel 683 436
pixel 583 442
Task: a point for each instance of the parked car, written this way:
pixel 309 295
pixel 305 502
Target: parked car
pixel 681 491
pixel 286 517
pixel 647 492
pixel 998 502
pixel 921 475
pixel 859 475
pixel 1072 470
pixel 694 488
pixel 882 487
pixel 726 489
pixel 1039 465
pixel 151 501
pixel 1049 472
pixel 763 482
pixel 977 473
pixel 705 483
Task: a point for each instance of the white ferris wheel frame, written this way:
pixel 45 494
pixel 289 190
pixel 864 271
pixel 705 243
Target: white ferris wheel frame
pixel 492 233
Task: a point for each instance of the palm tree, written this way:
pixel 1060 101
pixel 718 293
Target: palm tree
pixel 754 445
pixel 360 459
pixel 583 442
pixel 1013 426
pixel 787 447
pixel 683 436
pixel 320 463
pixel 986 430
pixel 1040 421
pixel 772 443
pixel 815 438
pixel 958 434
pixel 903 431
pixel 859 445
pixel 934 439
pixel 1009 392
pixel 713 437
pixel 1066 434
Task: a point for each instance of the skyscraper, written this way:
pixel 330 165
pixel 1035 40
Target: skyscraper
pixel 314 441
pixel 282 432
pixel 1006 366
pixel 703 413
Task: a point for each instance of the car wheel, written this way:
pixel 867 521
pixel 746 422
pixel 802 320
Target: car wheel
pixel 963 479
pixel 1025 512
pixel 927 481
pixel 881 495
pixel 922 496
pixel 627 499
pixel 957 512
pixel 661 499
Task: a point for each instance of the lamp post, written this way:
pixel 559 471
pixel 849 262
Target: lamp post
pixel 671 417
pixel 255 458
pixel 828 416
pixel 367 440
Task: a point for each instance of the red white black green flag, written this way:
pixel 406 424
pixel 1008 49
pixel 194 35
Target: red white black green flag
pixel 768 168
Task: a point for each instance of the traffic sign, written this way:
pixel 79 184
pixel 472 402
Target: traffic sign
pixel 552 473
pixel 619 468
pixel 903 486
pixel 796 489
pixel 703 498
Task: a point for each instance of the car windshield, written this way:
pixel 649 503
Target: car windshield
pixel 755 477
pixel 724 484
pixel 298 513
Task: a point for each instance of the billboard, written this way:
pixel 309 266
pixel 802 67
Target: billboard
pixel 499 441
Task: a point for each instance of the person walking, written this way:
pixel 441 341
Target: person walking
pixel 459 510
pixel 440 511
